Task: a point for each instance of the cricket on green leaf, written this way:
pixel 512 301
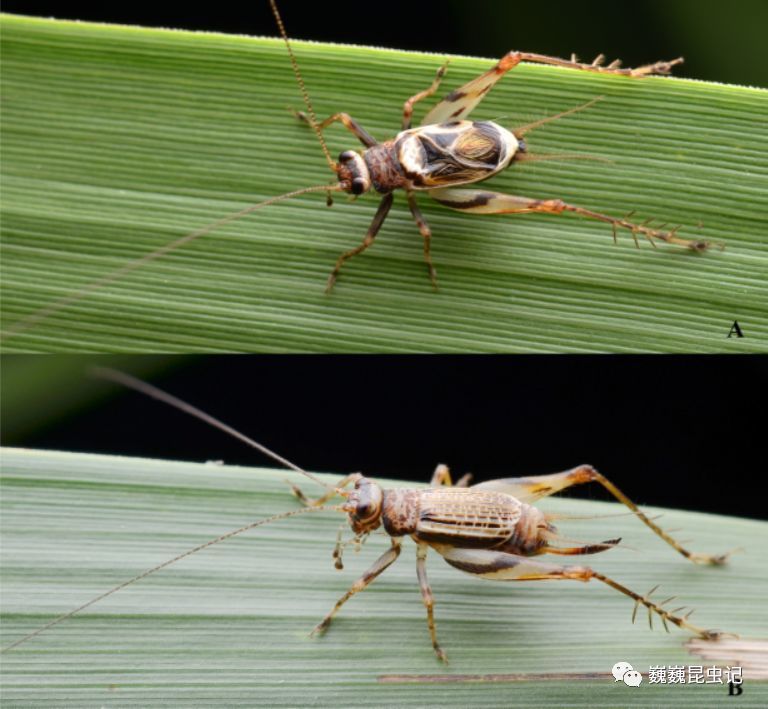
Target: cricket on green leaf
pixel 447 151
pixel 444 154
pixel 491 530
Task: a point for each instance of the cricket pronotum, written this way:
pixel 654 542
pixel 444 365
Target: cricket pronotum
pixel 440 157
pixel 490 530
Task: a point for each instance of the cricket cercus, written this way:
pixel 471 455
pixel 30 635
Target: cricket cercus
pixel 440 157
pixel 490 530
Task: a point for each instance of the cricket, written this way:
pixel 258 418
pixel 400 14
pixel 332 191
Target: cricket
pixel 491 530
pixel 440 157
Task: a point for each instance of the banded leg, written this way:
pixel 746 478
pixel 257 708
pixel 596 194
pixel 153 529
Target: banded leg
pixel 538 486
pixel 510 567
pixel 485 202
pixel 349 123
pixel 442 476
pixel 411 102
pixel 459 103
pixel 426 232
pixel 378 219
pixel 380 564
pixel 426 595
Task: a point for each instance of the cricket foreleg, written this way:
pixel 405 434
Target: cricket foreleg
pixel 426 232
pixel 484 202
pixel 426 595
pixel 411 102
pixel 381 563
pixel 378 220
pixel 442 476
pixel 349 123
pixel 535 487
pixel 501 566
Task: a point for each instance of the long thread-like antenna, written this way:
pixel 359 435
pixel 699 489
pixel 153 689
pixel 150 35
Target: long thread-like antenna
pixel 144 574
pixel 142 387
pixel 302 87
pixel 54 307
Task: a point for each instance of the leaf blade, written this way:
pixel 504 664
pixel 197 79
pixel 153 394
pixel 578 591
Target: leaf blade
pixel 230 625
pixel 118 140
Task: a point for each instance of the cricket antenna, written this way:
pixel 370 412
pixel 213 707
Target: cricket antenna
pixel 144 574
pixel 302 87
pixel 126 380
pixel 519 132
pixel 65 301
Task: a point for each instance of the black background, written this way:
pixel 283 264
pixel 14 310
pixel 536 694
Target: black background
pixel 675 431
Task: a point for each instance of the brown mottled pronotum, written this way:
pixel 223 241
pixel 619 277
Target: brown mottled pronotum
pixel 438 157
pixel 490 530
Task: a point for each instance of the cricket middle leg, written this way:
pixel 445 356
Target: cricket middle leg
pixel 385 560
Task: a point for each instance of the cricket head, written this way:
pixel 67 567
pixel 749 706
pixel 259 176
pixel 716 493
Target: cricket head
pixel 363 505
pixel 353 173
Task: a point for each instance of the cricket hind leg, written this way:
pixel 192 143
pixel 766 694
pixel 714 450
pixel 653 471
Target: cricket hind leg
pixel 502 566
pixel 662 68
pixel 348 122
pixel 428 598
pixel 458 104
pixel 442 477
pixel 411 102
pixel 484 202
pixel 381 214
pixel 426 232
pixel 536 487
pixel 385 560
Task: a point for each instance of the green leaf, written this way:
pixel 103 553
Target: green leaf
pixel 228 626
pixel 119 140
